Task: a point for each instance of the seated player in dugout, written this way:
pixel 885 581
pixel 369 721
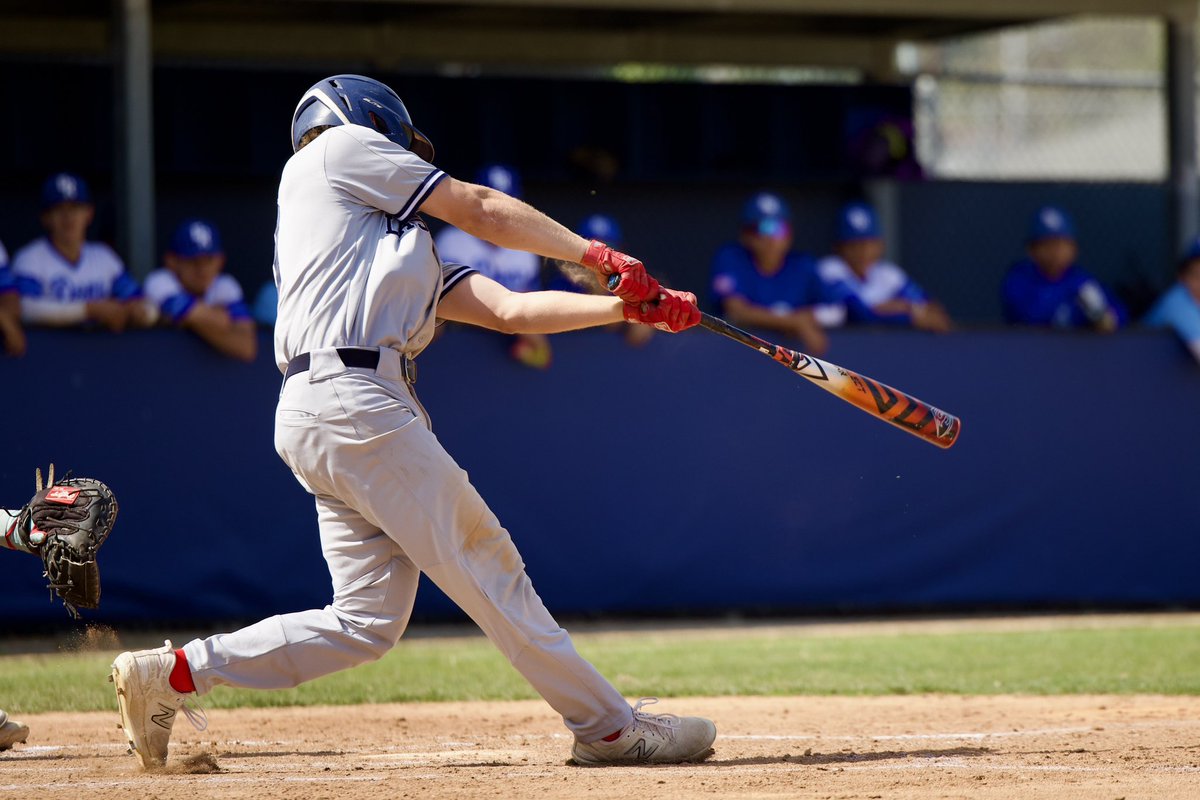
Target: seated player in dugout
pixel 66 280
pixel 867 289
pixel 515 270
pixel 1048 287
pixel 192 292
pixel 1179 307
pixel 759 281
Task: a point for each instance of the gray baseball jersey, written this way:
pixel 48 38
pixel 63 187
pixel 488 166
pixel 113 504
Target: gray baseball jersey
pixel 354 265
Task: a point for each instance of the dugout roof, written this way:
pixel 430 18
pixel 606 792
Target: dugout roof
pixel 391 34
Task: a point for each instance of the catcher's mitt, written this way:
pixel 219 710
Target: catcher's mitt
pixel 67 521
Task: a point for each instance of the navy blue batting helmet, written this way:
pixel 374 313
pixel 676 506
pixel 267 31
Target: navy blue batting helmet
pixel 357 100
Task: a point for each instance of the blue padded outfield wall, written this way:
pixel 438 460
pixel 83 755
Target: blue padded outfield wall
pixel 1074 483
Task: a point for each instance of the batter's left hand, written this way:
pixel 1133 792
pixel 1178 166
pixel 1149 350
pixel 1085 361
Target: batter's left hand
pixel 674 312
pixel 633 284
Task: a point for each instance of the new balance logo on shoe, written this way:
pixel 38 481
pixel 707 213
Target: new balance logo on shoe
pixel 641 751
pixel 165 717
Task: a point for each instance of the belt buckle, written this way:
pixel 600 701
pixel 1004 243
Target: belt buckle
pixel 410 369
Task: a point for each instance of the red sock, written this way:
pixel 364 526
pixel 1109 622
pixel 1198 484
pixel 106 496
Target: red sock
pixel 181 675
pixel 612 737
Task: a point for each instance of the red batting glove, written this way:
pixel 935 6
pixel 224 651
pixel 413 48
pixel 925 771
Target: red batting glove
pixel 674 311
pixel 633 285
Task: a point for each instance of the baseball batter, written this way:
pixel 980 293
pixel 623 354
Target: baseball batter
pixel 360 290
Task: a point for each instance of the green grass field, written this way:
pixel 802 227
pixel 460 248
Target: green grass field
pixel 767 661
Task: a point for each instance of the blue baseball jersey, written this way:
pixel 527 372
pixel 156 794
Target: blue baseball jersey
pixel 1179 310
pixel 168 295
pixel 1030 298
pixel 793 287
pixel 882 282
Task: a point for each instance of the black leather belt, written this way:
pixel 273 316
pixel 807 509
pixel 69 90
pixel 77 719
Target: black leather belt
pixel 360 357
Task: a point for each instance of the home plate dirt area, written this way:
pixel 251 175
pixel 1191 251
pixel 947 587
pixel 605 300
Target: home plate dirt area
pixel 823 747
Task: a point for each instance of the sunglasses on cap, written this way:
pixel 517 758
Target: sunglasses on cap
pixel 774 227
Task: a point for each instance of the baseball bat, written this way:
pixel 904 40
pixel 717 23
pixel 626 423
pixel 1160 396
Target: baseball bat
pixel 928 423
pixel 906 412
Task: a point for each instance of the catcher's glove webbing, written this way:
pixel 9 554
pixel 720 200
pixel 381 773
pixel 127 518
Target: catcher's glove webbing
pixel 64 524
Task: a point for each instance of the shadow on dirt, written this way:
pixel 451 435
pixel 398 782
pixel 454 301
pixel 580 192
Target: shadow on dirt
pixel 848 757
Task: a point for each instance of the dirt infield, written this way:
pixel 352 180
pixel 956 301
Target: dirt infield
pixel 824 747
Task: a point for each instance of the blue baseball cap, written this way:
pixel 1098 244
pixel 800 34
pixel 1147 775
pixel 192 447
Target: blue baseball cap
pixel 857 221
pixel 1050 222
pixel 602 228
pixel 196 237
pixel 64 187
pixel 501 178
pixel 768 214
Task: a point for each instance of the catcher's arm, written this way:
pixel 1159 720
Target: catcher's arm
pixel 64 524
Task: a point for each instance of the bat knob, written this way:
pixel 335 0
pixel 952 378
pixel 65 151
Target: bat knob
pixel 613 281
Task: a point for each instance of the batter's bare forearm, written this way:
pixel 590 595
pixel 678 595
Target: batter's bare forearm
pixel 555 312
pixel 502 220
pixel 478 300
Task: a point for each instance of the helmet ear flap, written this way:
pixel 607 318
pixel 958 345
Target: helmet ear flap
pixel 378 123
pixel 420 146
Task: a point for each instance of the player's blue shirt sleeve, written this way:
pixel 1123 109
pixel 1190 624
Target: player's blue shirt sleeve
pixel 177 306
pixel 1178 310
pixel 28 286
pixel 729 272
pixel 125 287
pixel 239 311
pixel 8 281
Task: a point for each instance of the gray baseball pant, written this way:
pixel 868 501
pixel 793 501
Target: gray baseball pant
pixel 392 503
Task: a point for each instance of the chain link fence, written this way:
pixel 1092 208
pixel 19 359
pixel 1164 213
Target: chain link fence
pixel 1075 100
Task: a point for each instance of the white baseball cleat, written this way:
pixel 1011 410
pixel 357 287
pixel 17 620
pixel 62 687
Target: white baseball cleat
pixel 651 739
pixel 11 732
pixel 148 703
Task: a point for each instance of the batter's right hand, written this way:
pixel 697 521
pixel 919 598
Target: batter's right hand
pixel 633 284
pixel 674 312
